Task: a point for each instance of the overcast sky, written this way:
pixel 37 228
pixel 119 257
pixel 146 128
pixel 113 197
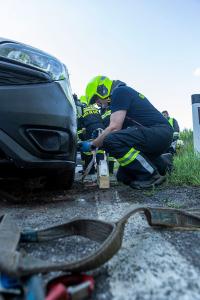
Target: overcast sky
pixel 152 45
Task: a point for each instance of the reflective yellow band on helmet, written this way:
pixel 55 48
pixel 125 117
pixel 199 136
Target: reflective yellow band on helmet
pixel 128 157
pixel 100 86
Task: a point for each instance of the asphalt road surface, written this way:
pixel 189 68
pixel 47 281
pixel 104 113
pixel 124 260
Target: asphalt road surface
pixel 152 264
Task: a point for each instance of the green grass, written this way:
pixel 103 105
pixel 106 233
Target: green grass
pixel 186 163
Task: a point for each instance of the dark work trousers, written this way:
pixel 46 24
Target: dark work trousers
pixel 150 141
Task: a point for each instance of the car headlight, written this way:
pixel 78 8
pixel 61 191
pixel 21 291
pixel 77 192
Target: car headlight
pixel 34 58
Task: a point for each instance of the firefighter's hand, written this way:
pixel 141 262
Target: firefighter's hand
pixel 86 146
pixel 96 133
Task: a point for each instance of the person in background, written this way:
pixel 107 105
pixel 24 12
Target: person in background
pixel 174 124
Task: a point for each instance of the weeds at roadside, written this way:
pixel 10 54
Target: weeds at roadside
pixel 186 163
pixel 150 192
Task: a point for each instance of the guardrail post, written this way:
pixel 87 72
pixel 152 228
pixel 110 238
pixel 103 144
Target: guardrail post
pixel 196 121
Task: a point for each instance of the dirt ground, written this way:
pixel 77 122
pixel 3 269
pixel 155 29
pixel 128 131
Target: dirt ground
pixel 152 264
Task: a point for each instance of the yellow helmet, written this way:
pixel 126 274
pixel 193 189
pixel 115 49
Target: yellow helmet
pixel 100 86
pixel 83 99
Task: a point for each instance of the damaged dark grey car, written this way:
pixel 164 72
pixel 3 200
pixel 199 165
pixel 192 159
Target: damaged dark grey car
pixel 37 115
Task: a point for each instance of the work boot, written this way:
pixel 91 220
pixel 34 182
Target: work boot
pixel 168 159
pixel 154 180
pixel 123 176
pixel 164 163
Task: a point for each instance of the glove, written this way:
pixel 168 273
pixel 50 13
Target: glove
pixel 86 146
pixel 179 144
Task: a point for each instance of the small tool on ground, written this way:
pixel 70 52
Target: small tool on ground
pixel 70 287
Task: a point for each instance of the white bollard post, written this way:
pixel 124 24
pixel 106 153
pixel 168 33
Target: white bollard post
pixel 196 121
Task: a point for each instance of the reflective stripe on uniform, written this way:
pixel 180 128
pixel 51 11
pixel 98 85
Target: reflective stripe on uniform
pixel 131 156
pixel 171 121
pixel 90 110
pixel 141 96
pixel 106 114
pixel 88 153
pixel 145 164
pixel 91 153
pixel 128 157
pixel 100 151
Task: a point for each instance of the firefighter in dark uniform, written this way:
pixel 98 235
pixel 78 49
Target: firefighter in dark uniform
pixel 88 123
pixel 137 134
pixel 174 124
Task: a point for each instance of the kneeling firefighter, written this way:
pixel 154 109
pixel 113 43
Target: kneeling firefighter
pixel 137 134
pixel 89 124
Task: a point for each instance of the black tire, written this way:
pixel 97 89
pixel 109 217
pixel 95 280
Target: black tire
pixel 62 179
